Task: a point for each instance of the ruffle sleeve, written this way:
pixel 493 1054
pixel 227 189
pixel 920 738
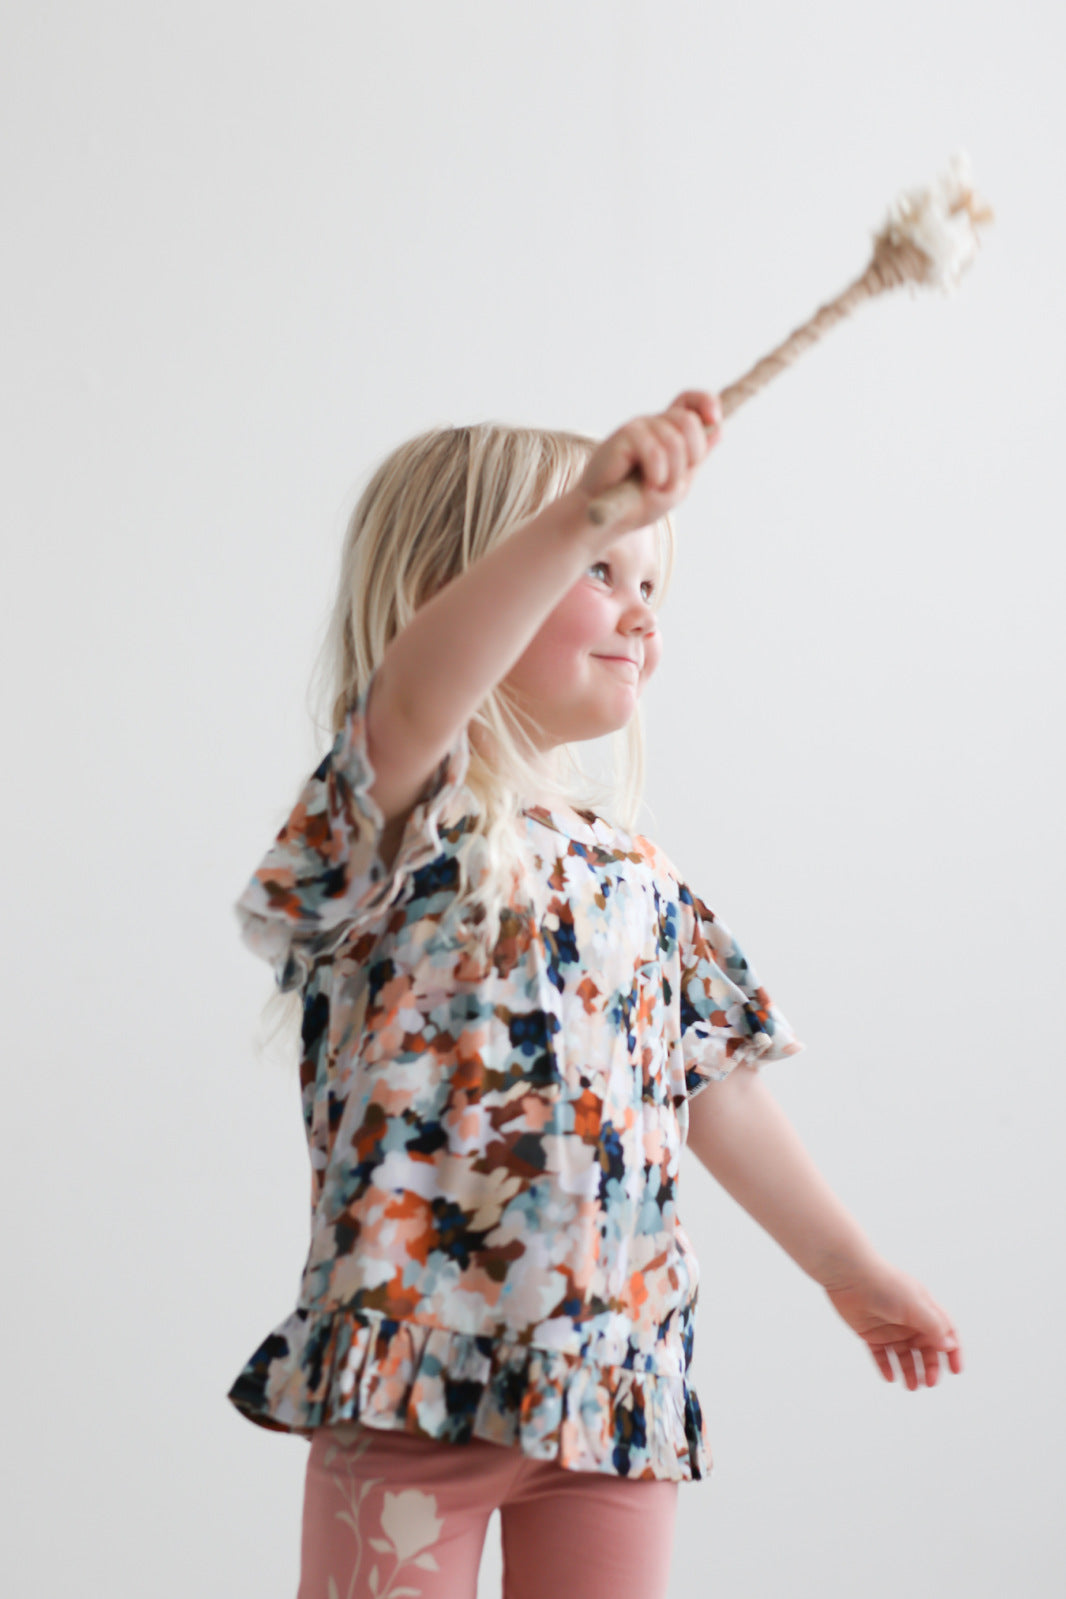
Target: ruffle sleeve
pixel 323 876
pixel 727 1017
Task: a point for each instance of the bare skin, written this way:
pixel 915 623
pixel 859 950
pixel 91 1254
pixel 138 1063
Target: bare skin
pixel 739 1132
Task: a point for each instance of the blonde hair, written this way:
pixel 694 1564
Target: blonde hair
pixel 432 509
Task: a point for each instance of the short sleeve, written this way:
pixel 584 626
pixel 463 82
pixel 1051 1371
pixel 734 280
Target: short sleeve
pixel 323 875
pixel 727 1017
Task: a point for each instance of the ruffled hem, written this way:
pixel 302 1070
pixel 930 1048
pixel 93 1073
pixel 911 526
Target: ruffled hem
pixel 320 1368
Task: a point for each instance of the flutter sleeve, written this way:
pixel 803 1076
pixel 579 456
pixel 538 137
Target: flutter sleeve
pixel 323 876
pixel 727 1017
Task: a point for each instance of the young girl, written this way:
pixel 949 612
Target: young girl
pixel 514 1013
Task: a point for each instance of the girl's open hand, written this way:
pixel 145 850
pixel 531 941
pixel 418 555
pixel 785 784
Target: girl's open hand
pixel 895 1315
pixel 665 450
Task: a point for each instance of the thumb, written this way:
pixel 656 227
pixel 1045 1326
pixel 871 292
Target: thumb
pixel 934 1322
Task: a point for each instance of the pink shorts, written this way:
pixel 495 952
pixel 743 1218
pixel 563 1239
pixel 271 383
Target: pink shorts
pixel 388 1515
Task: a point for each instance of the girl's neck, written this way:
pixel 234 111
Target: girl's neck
pixel 481 740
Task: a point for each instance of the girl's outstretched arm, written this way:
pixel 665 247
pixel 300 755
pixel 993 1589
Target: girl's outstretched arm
pixel 739 1132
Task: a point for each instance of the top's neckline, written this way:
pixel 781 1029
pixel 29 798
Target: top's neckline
pixel 581 827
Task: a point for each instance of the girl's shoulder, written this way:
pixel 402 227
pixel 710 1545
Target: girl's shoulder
pixel 656 857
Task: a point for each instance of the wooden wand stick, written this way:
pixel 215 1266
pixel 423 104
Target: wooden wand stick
pixel 928 240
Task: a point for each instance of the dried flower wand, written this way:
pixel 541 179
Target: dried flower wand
pixel 928 240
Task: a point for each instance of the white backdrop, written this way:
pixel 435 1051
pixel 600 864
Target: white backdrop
pixel 252 247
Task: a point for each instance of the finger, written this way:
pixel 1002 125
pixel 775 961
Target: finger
pixel 949 1347
pixel 650 456
pixel 933 1319
pixel 696 437
pixel 884 1364
pixel 707 406
pixel 677 442
pixel 905 1357
pixel 950 1338
pixel 948 1341
pixel 673 442
pixel 930 1365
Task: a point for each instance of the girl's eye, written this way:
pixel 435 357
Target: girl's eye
pixel 606 567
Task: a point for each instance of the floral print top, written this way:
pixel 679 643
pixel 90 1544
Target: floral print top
pixel 496 1250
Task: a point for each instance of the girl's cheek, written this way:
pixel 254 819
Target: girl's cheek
pixel 576 625
pixel 583 617
pixel 554 653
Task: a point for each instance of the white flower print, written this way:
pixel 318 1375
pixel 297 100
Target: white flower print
pixel 408 1519
pixel 410 1522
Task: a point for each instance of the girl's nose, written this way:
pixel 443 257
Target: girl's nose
pixel 643 616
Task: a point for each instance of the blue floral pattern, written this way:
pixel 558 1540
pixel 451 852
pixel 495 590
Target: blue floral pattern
pixel 496 1250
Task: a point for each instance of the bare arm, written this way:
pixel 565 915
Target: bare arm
pixel 457 647
pixel 462 642
pixel 739 1132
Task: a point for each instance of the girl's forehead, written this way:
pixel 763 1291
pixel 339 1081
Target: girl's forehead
pixel 635 549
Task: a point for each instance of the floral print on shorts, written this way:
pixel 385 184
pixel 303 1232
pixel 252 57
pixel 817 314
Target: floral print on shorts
pixel 496 1250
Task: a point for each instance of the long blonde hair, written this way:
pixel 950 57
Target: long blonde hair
pixel 434 507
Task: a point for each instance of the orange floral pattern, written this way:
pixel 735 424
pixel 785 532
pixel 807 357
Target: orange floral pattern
pixel 496 1250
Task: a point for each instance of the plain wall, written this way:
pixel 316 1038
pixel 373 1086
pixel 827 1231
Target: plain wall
pixel 249 249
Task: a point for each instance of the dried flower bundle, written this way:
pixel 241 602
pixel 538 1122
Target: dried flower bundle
pixel 931 235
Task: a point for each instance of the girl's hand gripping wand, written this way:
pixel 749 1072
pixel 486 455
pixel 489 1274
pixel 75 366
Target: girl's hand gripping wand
pixel 929 239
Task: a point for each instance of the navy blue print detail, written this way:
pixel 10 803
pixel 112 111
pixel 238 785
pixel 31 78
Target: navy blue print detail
pixel 315 1020
pixel 529 1031
pixel 436 877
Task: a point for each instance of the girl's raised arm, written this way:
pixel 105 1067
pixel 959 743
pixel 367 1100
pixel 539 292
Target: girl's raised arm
pixel 461 643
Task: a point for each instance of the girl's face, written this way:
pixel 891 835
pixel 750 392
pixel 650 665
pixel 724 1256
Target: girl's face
pixel 580 677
